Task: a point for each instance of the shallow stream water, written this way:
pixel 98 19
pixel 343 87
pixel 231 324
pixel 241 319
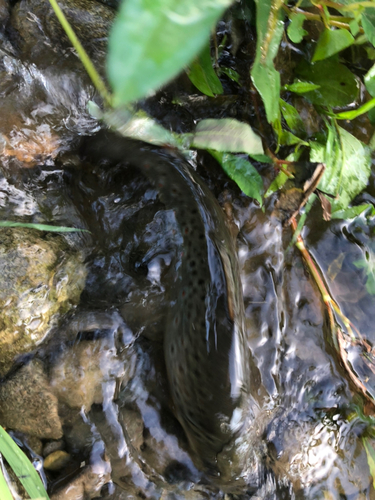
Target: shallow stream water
pixel 93 384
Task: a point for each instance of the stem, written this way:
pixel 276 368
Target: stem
pixel 353 6
pixel 336 21
pixel 326 296
pixel 350 115
pixel 96 79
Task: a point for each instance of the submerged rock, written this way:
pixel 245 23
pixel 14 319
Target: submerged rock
pixel 27 404
pixel 38 28
pixel 87 484
pixel 41 279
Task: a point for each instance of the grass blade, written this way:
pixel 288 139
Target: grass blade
pixel 5 493
pixel 42 227
pixel 22 467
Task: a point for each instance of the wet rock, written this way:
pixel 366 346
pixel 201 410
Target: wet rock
pixel 86 372
pixel 87 484
pixel 52 446
pixel 57 460
pixel 4 12
pixel 134 426
pixel 35 444
pixel 27 405
pixel 38 28
pixel 41 280
pixel 77 378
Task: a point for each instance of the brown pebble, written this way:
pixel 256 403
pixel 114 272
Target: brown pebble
pixel 56 460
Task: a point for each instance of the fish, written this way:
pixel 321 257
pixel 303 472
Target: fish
pixel 205 348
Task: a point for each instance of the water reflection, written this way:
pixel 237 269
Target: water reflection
pixel 97 389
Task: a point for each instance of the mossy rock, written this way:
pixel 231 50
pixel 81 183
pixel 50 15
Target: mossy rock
pixel 41 279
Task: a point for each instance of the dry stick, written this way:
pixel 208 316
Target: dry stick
pixel 327 299
pixel 336 332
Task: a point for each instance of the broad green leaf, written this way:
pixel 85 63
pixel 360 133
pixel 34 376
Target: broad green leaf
pixel 352 212
pixel 331 42
pixel 202 74
pixel 227 135
pixel 231 73
pixel 286 138
pixel 354 27
pixel 370 457
pixel 242 172
pixel 299 87
pixel 368 24
pixel 5 494
pixel 21 466
pixel 152 40
pixel 369 80
pixel 139 126
pixel 348 166
pixel 276 184
pixel 261 158
pixel 266 79
pixel 295 28
pixel 43 227
pixel 292 118
pixel 338 86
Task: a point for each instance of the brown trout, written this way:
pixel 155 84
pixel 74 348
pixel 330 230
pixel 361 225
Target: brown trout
pixel 206 354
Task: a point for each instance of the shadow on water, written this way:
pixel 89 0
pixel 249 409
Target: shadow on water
pixel 89 390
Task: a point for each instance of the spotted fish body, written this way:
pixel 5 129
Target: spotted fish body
pixel 204 345
pixel 206 354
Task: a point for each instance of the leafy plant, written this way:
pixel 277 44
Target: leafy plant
pixel 153 40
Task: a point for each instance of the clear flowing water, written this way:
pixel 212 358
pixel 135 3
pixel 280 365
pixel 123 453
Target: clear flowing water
pixel 98 375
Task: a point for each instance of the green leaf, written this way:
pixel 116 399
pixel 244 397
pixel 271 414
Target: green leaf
pixel 354 27
pixel 152 40
pixel 242 172
pixel 227 135
pixel 261 158
pixel 42 227
pixel 202 74
pixel 299 87
pixel 292 118
pixel 369 80
pixel 295 29
pixel 21 466
pixel 263 73
pixel 276 184
pixel 350 115
pixel 338 86
pixel 139 126
pixel 348 166
pixel 368 24
pixel 5 493
pixel 331 42
pixel 352 212
pixel 231 73
pixel 367 443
